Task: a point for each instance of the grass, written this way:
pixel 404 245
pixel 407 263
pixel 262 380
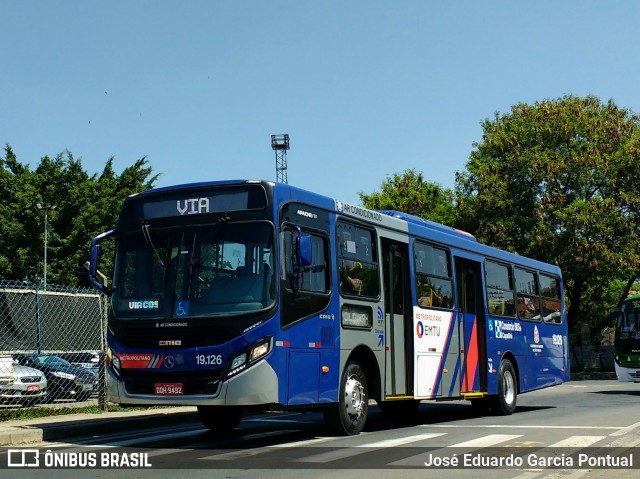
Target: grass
pixel 39 412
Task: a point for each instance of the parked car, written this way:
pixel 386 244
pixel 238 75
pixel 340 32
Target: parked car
pixel 65 381
pixel 88 361
pixel 28 387
pixel 7 368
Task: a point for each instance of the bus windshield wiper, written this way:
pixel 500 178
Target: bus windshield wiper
pixel 213 233
pixel 147 238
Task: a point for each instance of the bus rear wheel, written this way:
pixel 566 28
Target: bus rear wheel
pixel 348 416
pixel 220 419
pixel 505 402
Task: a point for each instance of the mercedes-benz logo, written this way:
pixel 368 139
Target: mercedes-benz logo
pixel 169 361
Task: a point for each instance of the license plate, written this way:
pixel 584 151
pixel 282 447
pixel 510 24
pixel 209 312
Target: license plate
pixel 34 388
pixel 168 389
pixel 87 387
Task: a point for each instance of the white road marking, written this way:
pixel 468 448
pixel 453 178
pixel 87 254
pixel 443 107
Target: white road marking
pixel 626 430
pixel 508 426
pixel 334 455
pixel 577 441
pixel 486 441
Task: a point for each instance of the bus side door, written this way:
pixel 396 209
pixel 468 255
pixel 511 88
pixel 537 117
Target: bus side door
pixel 472 319
pixel 397 300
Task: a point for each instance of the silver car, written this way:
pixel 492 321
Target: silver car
pixel 29 386
pixel 7 368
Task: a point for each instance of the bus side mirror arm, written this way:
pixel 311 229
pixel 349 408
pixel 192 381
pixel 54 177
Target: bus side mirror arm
pixel 94 274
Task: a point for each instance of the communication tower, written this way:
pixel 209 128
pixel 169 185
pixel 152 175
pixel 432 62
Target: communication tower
pixel 280 144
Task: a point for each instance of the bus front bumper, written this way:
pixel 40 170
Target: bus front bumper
pixel 255 386
pixel 627 374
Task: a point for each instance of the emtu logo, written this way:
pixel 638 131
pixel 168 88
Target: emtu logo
pixel 419 329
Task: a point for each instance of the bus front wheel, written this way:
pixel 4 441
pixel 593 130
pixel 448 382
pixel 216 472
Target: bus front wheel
pixel 220 419
pixel 348 416
pixel 505 403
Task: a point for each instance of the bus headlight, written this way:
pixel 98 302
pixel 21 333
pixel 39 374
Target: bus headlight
pixel 246 359
pixel 238 361
pixel 113 361
pixel 259 351
pixel 116 363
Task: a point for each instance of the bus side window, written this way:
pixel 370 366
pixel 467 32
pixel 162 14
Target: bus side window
pixel 433 282
pixel 528 302
pixel 357 261
pixel 551 304
pixel 500 294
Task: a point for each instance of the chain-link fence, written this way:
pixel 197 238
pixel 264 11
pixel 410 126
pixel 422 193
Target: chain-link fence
pixel 51 345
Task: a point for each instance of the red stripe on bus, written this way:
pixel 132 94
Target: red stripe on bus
pixel 472 359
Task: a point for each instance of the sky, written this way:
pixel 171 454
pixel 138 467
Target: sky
pixel 363 88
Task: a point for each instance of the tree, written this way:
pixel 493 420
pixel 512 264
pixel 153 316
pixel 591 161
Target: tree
pixel 411 193
pixel 84 206
pixel 556 181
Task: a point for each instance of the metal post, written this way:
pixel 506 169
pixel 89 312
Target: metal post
pixel 46 229
pixel 46 209
pixel 102 378
pixel 38 320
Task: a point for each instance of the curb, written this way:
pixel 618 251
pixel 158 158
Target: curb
pixel 75 426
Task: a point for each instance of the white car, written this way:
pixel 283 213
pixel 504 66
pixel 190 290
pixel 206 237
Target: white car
pixel 28 386
pixel 7 369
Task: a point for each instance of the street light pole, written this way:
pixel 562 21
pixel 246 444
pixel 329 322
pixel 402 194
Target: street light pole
pixel 46 209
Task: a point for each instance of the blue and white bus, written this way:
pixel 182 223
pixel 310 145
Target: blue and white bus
pixel 253 294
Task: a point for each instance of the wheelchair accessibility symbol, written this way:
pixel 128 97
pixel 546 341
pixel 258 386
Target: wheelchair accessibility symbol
pixel 181 309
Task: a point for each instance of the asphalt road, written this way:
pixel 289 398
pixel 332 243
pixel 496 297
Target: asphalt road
pixel 569 431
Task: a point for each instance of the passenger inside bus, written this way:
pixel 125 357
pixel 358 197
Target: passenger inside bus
pixel 528 307
pixel 353 278
pixel 427 295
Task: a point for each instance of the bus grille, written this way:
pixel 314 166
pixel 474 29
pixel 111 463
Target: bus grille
pixel 175 337
pixel 201 382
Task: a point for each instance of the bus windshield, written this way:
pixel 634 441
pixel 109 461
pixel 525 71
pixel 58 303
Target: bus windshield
pixel 202 270
pixel 628 328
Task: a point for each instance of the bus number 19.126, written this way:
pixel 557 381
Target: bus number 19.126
pixel 209 359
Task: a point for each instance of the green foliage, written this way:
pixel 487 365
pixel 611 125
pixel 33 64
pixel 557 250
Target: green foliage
pixel 557 181
pixel 84 206
pixel 40 412
pixel 411 193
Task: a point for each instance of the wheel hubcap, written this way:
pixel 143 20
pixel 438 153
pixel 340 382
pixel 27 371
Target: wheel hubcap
pixel 509 388
pixel 354 397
